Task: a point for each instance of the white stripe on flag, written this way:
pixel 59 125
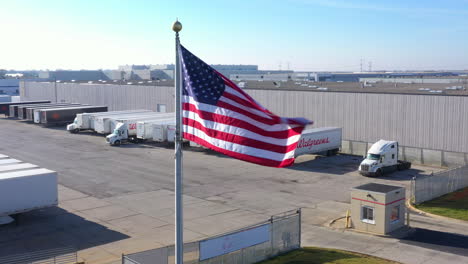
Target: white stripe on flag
pixel 255 152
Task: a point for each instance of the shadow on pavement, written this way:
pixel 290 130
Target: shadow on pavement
pixel 53 228
pixel 437 240
pixel 339 164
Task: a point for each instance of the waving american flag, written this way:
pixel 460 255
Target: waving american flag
pixel 217 114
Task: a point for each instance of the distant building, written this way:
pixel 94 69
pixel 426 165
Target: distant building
pixel 68 75
pixel 9 86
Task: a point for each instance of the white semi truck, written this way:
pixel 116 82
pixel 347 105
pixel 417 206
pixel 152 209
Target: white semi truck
pixel 126 129
pixel 85 121
pixel 382 158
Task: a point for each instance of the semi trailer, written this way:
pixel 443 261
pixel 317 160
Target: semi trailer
pixel 382 158
pixel 126 129
pixel 5 107
pixel 323 141
pixel 26 112
pixel 16 111
pixel 85 121
pixel 25 190
pixel 146 130
pixel 57 116
pixel 164 132
pixel 102 124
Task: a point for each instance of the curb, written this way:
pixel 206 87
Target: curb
pixel 421 212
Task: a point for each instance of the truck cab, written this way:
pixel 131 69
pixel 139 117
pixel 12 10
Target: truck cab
pixel 382 158
pixel 119 135
pixel 73 127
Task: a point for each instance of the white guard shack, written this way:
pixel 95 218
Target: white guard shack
pixel 378 208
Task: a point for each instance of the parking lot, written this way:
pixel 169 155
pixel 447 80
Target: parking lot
pixel 115 200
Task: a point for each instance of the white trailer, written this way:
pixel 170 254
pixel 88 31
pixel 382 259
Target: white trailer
pixel 102 124
pixel 26 190
pixel 164 132
pixel 145 129
pixel 16 166
pixel 9 161
pixel 85 121
pixel 324 140
pixel 157 116
pixel 126 129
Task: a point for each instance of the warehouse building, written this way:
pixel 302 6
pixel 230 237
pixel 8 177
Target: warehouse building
pixel 430 127
pixel 9 86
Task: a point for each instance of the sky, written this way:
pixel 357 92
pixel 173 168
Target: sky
pixel 301 35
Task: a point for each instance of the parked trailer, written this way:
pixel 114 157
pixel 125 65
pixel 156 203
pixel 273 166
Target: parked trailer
pixel 23 110
pixel 156 116
pixel 17 112
pixel 85 121
pixel 126 129
pixel 161 132
pixel 40 185
pixel 5 107
pixel 324 140
pixel 9 161
pixel 145 128
pixel 30 110
pixel 102 125
pixel 16 166
pixel 56 116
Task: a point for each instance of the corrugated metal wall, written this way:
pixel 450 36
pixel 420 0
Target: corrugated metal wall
pixel 422 121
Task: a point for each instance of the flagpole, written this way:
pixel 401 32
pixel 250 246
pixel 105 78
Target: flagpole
pixel 179 225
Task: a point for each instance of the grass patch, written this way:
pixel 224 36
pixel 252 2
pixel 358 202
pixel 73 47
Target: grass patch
pixel 454 205
pixel 313 255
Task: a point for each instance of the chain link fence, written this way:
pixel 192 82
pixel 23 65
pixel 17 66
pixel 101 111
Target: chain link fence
pixel 64 255
pixel 284 234
pixel 429 187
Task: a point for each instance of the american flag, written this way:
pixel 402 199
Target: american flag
pixel 217 114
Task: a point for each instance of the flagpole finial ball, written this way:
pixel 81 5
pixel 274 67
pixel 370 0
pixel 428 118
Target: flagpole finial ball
pixel 177 26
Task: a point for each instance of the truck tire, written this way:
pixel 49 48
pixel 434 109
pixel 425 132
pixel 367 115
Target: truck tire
pixel 378 173
pixel 75 131
pixel 117 143
pixel 401 166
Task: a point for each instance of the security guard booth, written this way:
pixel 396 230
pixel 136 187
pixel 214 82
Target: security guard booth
pixel 378 208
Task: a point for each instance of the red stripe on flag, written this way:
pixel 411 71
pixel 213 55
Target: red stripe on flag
pixel 244 157
pixel 274 121
pixel 239 139
pixel 227 120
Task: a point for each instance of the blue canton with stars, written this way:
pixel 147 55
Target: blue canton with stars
pixel 200 81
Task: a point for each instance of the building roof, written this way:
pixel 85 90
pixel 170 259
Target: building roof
pixel 377 187
pixel 346 87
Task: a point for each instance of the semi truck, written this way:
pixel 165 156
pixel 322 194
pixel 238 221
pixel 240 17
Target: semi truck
pixel 102 124
pixel 85 121
pixel 57 116
pixel 382 158
pixel 322 141
pixel 5 107
pixel 126 129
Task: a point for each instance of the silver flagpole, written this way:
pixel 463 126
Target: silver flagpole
pixel 179 219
